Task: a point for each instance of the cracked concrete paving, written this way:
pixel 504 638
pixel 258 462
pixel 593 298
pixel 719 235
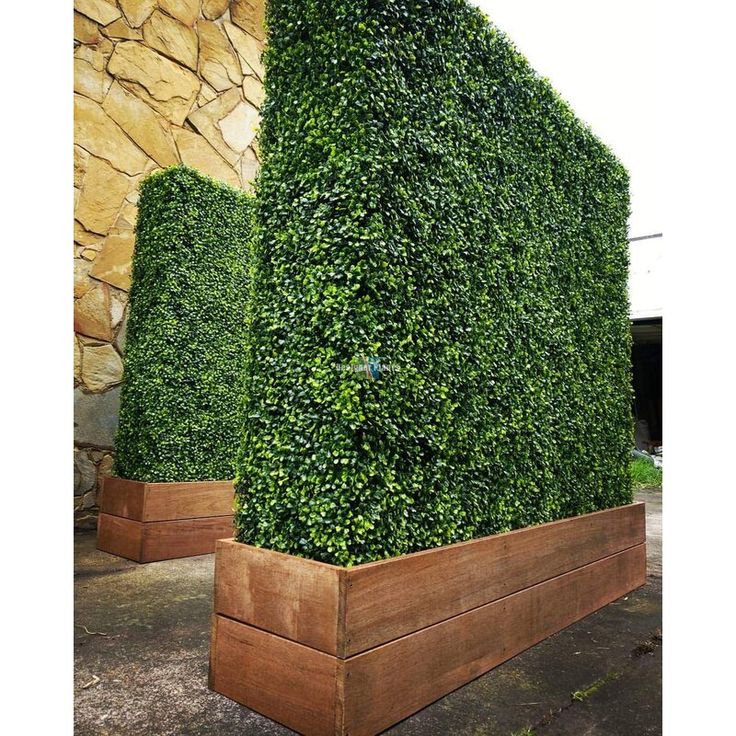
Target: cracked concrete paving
pixel 151 658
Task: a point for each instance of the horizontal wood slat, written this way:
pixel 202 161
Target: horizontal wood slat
pixel 293 684
pixel 160 540
pixel 391 598
pixel 166 501
pixel 390 682
pixel 290 596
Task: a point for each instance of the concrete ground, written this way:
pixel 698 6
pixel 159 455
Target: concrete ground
pixel 141 642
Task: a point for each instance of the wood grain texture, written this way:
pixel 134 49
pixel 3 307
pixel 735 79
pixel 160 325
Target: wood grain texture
pixel 293 597
pixel 160 540
pixel 166 501
pixel 123 497
pixel 166 540
pixel 288 682
pixel 119 536
pixel 392 598
pixel 386 684
pixel 169 501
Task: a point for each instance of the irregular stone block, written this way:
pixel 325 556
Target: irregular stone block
pixel 90 78
pixel 114 262
pixel 121 30
pixel 240 126
pixel 85 30
pixel 100 10
pixel 248 48
pixel 136 11
pixel 101 367
pixel 207 117
pixel 212 9
pixel 92 314
pixel 170 37
pixel 96 417
pixel 167 87
pixel 197 153
pixel 186 11
pixel 250 16
pixel 149 130
pixel 99 134
pixel 85 473
pixel 101 197
pixel 218 63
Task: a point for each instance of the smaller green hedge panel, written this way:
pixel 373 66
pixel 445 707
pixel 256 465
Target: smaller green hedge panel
pixel 180 404
pixel 429 204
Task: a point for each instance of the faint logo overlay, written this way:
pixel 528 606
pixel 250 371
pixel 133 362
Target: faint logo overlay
pixel 370 368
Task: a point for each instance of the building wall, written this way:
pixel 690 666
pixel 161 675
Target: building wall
pixel 155 83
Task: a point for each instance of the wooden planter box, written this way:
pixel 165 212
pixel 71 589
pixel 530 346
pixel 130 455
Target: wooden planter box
pixel 146 522
pixel 351 651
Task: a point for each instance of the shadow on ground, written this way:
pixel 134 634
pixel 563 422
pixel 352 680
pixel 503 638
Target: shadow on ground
pixel 141 642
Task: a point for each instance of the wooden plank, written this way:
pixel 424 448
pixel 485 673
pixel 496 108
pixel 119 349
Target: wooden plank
pixel 123 497
pixel 166 540
pixel 288 682
pixel 386 684
pixel 291 596
pixel 392 598
pixel 169 501
pixel 120 536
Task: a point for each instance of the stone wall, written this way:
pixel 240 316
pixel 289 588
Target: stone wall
pixel 156 82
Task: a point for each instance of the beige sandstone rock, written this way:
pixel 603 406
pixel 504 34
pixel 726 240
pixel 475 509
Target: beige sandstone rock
pixel 89 254
pixel 249 166
pixel 249 15
pixel 149 130
pixel 240 126
pixel 90 78
pixel 105 466
pixel 127 217
pixel 171 38
pixel 113 264
pixel 167 87
pixel 137 11
pixel 102 195
pixel 120 29
pixel 81 157
pixel 206 94
pixel 212 9
pixel 92 314
pixel 77 360
pixel 101 367
pixel 248 48
pixel 253 90
pixel 117 309
pixel 218 63
pixel 195 151
pixel 82 282
pixel 207 117
pixel 85 237
pixel 101 136
pixel 187 11
pixel 100 10
pixel 85 30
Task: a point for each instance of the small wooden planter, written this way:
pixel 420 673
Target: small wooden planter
pixel 351 651
pixel 146 522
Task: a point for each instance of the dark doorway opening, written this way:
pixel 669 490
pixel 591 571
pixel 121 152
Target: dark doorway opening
pixel 646 358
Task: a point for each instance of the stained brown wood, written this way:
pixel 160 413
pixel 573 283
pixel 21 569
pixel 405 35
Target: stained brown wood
pixel 291 683
pixel 166 501
pixel 165 540
pixel 160 540
pixel 120 536
pixel 294 597
pixel 391 598
pixel 146 522
pixel 390 682
pixel 123 497
pixel 286 628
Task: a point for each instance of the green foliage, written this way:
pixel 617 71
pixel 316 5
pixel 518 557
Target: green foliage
pixel 644 474
pixel 180 403
pixel 426 198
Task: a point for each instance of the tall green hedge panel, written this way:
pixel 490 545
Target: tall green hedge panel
pixel 184 354
pixel 428 207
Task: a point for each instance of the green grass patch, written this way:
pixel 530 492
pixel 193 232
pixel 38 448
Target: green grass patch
pixel 644 474
pixel 581 695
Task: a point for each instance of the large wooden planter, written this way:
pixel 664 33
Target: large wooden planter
pixel 146 522
pixel 351 651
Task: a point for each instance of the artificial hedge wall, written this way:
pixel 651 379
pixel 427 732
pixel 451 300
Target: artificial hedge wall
pixel 181 397
pixel 429 210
